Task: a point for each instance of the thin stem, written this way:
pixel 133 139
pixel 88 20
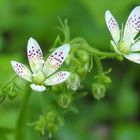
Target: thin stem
pixel 99 65
pixel 12 79
pixel 81 43
pixel 43 104
pixel 21 123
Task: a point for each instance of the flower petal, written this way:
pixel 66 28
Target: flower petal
pixel 35 55
pixel 38 88
pixel 136 46
pixel 115 47
pixel 132 26
pixel 56 59
pixel 57 78
pixel 112 26
pixel 22 70
pixel 134 57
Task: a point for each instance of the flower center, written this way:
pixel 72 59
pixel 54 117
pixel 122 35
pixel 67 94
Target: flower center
pixel 124 47
pixel 38 78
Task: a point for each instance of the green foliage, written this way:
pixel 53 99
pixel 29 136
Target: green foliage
pixel 68 111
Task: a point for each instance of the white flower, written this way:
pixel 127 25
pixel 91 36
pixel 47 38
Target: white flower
pixel 124 41
pixel 43 73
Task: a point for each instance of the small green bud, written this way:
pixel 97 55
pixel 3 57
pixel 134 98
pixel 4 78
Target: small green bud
pixel 9 90
pixel 40 126
pixel 50 116
pixel 106 80
pixel 52 127
pixel 74 81
pixel 64 100
pixel 98 90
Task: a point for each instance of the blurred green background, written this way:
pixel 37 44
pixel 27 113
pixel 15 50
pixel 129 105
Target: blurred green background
pixel 117 115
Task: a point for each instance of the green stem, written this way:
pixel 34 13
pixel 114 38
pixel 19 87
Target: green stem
pixel 21 123
pixel 81 43
pixel 99 65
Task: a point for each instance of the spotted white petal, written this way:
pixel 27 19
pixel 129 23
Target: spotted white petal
pixel 115 47
pixel 136 46
pixel 38 88
pixel 112 26
pixel 35 55
pixel 134 57
pixel 132 26
pixel 22 70
pixel 57 78
pixel 55 60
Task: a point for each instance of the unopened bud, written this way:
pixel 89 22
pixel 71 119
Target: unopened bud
pixel 106 80
pixel 98 90
pixel 64 100
pixel 74 81
pixel 40 126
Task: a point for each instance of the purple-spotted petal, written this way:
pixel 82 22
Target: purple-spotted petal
pixel 132 26
pixel 56 59
pixel 112 26
pixel 57 78
pixel 35 55
pixel 134 57
pixel 22 70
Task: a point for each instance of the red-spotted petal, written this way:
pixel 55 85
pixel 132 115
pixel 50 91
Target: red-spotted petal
pixel 132 26
pixel 57 78
pixel 35 55
pixel 22 70
pixel 112 26
pixel 55 60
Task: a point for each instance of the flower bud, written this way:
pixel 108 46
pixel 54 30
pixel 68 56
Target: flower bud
pixel 64 100
pixel 9 90
pixel 52 128
pixel 106 80
pixel 98 90
pixel 40 126
pixel 50 116
pixel 74 81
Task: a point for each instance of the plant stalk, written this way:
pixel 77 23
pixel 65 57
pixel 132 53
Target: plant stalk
pixel 21 123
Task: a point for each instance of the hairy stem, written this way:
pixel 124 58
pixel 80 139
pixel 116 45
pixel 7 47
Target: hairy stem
pixel 21 123
pixel 81 43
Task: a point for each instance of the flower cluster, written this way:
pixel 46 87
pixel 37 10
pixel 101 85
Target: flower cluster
pixel 43 73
